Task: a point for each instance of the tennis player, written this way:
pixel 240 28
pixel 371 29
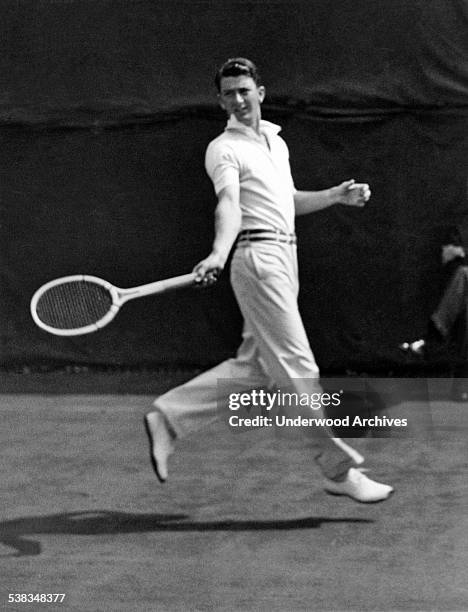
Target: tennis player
pixel 257 202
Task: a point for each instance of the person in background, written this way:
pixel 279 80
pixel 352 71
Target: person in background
pixel 448 325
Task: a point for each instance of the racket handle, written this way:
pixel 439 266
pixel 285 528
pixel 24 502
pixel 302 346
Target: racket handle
pixel 177 282
pixel 161 286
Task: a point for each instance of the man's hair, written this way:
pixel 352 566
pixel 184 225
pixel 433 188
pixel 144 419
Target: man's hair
pixel 237 66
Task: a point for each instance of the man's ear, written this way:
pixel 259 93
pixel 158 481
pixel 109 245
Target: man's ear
pixel 261 93
pixel 220 102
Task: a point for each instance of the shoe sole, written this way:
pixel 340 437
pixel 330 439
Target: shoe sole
pixel 154 463
pixel 360 501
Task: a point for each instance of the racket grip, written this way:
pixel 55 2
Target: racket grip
pixel 161 286
pixel 177 282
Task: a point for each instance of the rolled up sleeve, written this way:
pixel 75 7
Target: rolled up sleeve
pixel 221 166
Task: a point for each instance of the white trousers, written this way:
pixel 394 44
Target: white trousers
pixel 275 352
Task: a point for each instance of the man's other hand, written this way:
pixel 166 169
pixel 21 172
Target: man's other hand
pixel 351 193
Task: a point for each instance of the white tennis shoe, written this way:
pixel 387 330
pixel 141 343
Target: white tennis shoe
pixel 359 487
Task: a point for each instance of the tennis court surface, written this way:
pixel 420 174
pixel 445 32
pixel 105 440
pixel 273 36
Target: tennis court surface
pixel 242 524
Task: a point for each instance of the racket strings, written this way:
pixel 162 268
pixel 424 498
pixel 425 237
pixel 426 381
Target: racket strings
pixel 73 304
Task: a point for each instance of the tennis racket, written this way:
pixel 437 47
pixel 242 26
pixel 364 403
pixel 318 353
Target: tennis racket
pixel 81 304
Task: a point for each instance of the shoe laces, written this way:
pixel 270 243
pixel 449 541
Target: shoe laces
pixel 359 474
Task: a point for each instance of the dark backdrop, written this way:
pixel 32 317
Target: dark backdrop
pixel 106 109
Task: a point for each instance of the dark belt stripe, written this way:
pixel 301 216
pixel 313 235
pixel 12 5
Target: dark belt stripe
pixel 266 230
pixel 256 235
pixel 282 239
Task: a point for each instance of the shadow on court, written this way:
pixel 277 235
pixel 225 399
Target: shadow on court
pixel 13 532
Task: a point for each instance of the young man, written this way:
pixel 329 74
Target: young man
pixel 257 203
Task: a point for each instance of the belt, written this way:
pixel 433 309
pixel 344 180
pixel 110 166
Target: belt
pixel 271 235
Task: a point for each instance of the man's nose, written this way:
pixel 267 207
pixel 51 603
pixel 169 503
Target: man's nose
pixel 238 99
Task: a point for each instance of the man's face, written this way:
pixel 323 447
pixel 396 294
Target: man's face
pixel 241 97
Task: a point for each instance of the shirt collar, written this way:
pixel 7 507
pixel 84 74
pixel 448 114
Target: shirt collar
pixel 265 126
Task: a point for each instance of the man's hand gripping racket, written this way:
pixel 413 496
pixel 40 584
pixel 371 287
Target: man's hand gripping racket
pixel 81 304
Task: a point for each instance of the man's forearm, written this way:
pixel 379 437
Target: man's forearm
pixel 306 202
pixel 227 225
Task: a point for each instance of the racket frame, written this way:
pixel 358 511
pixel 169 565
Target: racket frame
pixel 118 295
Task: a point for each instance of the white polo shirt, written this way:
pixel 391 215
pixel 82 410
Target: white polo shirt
pixel 240 156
